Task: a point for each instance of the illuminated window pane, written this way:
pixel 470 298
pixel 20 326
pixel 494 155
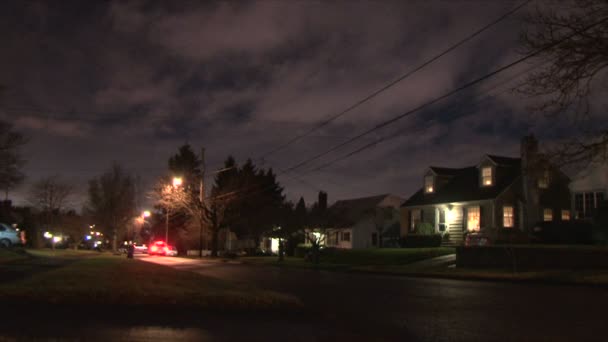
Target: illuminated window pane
pixel 428 184
pixel 543 181
pixel 565 215
pixel 507 217
pixel 473 218
pixel 547 214
pixel 486 176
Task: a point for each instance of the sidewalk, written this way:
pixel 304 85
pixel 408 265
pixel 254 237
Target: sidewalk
pixel 442 261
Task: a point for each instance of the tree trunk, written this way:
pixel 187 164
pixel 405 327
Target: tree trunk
pixel 114 240
pixel 200 240
pixel 281 250
pixel 215 241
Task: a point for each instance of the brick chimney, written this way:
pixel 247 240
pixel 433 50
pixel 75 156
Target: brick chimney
pixel 529 164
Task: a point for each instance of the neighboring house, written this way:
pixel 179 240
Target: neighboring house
pixel 363 222
pixel 499 192
pixel 589 188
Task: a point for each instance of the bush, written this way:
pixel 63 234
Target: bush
pixel 422 240
pixel 424 228
pixel 563 232
pixel 301 250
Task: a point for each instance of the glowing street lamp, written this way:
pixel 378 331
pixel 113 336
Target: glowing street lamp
pixel 146 213
pixel 177 181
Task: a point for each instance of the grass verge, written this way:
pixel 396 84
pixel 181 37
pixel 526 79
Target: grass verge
pixel 12 255
pixel 573 277
pixel 112 280
pixel 352 260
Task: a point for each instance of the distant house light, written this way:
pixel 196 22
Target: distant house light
pixel 547 214
pixel 486 176
pixel 429 184
pixel 507 217
pixel 48 235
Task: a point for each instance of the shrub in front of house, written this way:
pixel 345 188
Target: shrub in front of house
pixel 421 240
pixel 424 228
pixel 301 250
pixel 563 232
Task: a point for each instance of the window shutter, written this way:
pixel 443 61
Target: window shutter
pixel 481 220
pixel 465 219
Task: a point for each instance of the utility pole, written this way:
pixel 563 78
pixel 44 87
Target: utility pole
pixel 202 203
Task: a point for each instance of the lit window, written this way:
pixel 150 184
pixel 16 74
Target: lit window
pixel 473 218
pixel 543 181
pixel 416 217
pixel 565 215
pixel 486 176
pixel 547 214
pixel 428 184
pixel 507 217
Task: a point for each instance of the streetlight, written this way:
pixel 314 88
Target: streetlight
pixel 177 182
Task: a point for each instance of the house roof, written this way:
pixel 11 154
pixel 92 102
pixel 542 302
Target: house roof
pixel 444 171
pixel 464 185
pixel 505 161
pixel 348 212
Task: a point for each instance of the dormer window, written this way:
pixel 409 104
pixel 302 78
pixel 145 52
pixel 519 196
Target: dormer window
pixel 429 184
pixel 486 176
pixel 543 180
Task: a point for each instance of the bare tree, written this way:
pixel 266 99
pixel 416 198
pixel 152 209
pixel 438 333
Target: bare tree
pixel 112 201
pixel 50 195
pixel 573 39
pixel 11 161
pixel 207 213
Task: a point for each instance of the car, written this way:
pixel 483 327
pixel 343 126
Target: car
pixel 140 248
pixel 9 236
pixel 161 248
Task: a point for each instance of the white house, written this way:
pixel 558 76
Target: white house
pixel 364 222
pixel 589 188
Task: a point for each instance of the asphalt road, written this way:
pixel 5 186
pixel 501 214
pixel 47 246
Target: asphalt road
pixel 400 308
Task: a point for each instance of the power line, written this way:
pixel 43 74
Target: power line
pixel 394 82
pixel 442 97
pixel 430 122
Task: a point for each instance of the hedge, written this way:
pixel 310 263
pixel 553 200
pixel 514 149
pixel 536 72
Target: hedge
pixel 415 241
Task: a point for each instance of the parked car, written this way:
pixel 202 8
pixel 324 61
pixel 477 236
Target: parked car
pixel 140 249
pixel 161 248
pixel 563 232
pixel 9 236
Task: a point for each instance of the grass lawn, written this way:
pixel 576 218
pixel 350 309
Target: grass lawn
pixel 352 259
pixel 110 280
pixel 12 255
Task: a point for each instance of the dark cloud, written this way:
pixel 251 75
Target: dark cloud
pixel 131 81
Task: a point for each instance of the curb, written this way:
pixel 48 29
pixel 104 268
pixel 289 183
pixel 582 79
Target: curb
pixel 422 274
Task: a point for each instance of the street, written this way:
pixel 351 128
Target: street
pixel 426 309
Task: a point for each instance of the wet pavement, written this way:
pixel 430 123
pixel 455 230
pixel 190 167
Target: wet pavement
pixel 428 309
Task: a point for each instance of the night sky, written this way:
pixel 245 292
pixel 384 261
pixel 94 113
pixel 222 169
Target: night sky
pixel 95 82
